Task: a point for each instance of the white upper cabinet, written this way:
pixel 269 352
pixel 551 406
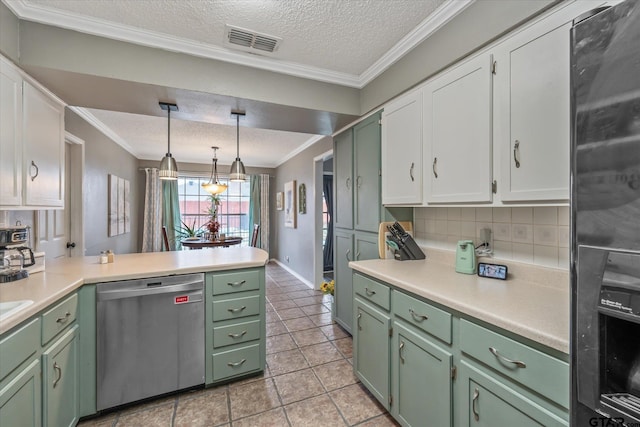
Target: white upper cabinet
pixel 457 133
pixel 10 135
pixel 402 151
pixel 32 143
pixel 532 93
pixel 43 135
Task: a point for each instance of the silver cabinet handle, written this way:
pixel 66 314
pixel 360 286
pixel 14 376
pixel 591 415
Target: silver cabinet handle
pixel 64 318
pixel 359 181
pixel 400 352
pixel 33 164
pixel 241 334
pixel 433 167
pixel 348 183
pixel 347 254
pixel 57 368
pixel 417 317
pixel 359 317
pixel 236 283
pixel 411 171
pixel 369 293
pixel 518 363
pixel 235 310
pixel 234 364
pixel 476 394
pixel 516 153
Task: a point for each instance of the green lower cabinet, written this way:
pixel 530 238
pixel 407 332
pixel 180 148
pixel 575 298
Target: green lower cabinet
pixel 371 349
pixel 422 384
pixel 60 381
pixel 20 398
pixel 486 401
pixel 342 254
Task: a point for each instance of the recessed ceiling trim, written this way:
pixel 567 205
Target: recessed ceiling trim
pixel 106 130
pixel 443 14
pixel 102 28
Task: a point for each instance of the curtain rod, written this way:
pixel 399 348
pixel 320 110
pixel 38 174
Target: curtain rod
pixel 204 174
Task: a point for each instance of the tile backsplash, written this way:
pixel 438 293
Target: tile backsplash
pixel 533 235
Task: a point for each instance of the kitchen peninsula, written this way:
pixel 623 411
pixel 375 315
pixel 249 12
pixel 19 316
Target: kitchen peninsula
pixel 48 348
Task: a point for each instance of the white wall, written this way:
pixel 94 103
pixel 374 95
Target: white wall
pixel 533 235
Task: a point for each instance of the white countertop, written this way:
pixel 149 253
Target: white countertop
pixel 63 276
pixel 536 310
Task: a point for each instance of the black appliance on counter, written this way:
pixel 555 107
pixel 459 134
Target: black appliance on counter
pixel 605 209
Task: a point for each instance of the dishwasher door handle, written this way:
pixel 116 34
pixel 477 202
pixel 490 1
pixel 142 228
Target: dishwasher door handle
pixel 104 295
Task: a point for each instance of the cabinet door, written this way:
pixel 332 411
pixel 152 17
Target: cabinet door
pixel 366 246
pixel 533 114
pixel 366 147
pixel 343 180
pixel 10 135
pixel 371 349
pixel 485 401
pixel 402 151
pixel 43 161
pixel 457 133
pixel 422 387
pixel 60 376
pixel 20 398
pixel 343 295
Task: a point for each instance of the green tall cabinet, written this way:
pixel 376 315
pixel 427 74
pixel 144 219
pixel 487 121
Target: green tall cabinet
pixel 357 209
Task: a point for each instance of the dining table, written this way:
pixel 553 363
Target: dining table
pixel 201 242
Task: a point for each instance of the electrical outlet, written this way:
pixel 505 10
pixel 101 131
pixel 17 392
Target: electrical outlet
pixel 485 236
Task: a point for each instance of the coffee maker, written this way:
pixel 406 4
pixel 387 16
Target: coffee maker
pixel 14 255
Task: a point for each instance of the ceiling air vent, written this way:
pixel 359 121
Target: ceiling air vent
pixel 251 41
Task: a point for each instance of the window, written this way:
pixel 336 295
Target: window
pixel 233 211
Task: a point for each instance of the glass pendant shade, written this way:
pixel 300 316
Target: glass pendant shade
pixel 237 172
pixel 214 187
pixel 168 166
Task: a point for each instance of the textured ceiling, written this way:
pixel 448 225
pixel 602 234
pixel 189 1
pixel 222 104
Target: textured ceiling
pixel 337 35
pixel 326 38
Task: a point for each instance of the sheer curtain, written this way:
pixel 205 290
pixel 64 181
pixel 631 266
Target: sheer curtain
pixel 152 220
pixel 171 211
pixel 259 208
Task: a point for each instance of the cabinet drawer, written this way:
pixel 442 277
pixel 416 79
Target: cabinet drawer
pixel 532 368
pixel 423 316
pixel 236 362
pixel 235 308
pixel 240 281
pixel 18 347
pixel 58 318
pixel 371 290
pixel 236 333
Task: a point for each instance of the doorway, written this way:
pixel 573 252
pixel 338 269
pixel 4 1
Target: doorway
pixel 323 197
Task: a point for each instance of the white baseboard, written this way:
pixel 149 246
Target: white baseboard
pixel 298 276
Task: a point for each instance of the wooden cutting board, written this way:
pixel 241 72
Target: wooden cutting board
pixel 383 251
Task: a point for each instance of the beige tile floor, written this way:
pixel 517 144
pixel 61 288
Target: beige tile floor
pixel 308 380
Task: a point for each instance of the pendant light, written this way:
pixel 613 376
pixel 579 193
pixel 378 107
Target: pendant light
pixel 237 172
pixel 214 186
pixel 168 166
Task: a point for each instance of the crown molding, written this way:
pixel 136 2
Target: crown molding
pixel 442 15
pixel 102 28
pixel 106 130
pixel 300 149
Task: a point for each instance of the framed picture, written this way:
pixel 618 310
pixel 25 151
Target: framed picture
pixel 302 199
pixel 279 200
pixel 290 204
pixel 113 205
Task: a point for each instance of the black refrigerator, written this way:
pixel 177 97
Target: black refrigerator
pixel 605 209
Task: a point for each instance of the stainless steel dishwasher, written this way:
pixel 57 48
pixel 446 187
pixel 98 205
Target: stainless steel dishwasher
pixel 150 337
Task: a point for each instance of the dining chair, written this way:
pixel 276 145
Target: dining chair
pixel 165 238
pixel 254 236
